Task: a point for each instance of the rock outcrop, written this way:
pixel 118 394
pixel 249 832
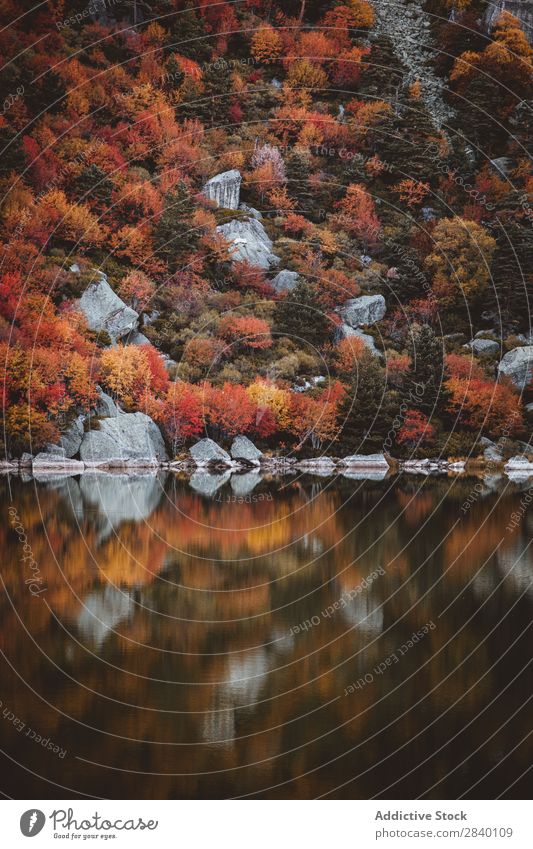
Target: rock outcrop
pixel 105 406
pixel 366 309
pixel 207 451
pixel 243 448
pixel 105 311
pixel 249 242
pixel 128 439
pixel 521 9
pixel 70 440
pixel 344 331
pixel 224 189
pixel 285 281
pixel 518 366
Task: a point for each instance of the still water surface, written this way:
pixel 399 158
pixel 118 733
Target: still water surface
pixel 254 637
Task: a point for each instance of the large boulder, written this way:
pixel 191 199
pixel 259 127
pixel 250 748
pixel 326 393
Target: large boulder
pixel 207 451
pixel 364 310
pixel 285 281
pixel 518 365
pixel 128 439
pixel 243 448
pixel 105 311
pixel 249 242
pixel 224 189
pixel 71 438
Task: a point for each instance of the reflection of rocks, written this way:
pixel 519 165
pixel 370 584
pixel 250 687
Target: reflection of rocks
pixel 365 475
pixel 69 489
pixel 208 484
pixel 131 438
pixel 516 564
pixel 123 498
pixel 364 613
pixel 102 611
pixel 243 485
pixel 365 461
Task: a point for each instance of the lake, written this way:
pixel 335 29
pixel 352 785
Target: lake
pixel 267 637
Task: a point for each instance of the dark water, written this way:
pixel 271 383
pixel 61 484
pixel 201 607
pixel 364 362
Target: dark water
pixel 166 657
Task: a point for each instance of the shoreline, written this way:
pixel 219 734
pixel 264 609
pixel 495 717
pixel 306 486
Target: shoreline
pixel 321 466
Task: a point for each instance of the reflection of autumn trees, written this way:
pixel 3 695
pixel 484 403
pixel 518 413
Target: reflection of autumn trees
pixel 201 652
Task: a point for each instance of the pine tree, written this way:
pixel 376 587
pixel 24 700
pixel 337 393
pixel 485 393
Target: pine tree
pixel 427 371
pixel 300 316
pixel 173 234
pixel 368 409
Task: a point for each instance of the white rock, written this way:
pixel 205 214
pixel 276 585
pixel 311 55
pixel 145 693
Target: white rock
pixel 243 448
pixel 249 242
pixel 365 461
pixel 45 462
pixel 519 463
pixel 207 451
pixel 518 365
pixel 104 310
pixel 208 484
pixel 127 439
pixel 224 189
pixel 364 310
pixel 285 281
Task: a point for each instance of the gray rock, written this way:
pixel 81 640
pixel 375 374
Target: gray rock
pixel 243 448
pixel 224 189
pixel 364 310
pixel 104 310
pixel 26 460
pixel 529 408
pixel 492 452
pixel 207 451
pixel 519 463
pixel 137 338
pixel 365 461
pixel 70 439
pixel 105 406
pixel 208 484
pixel 251 211
pixel 518 366
pixel 243 485
pixel 344 331
pixel 45 462
pixel 249 242
pixel 285 281
pixel 128 439
pixel 483 346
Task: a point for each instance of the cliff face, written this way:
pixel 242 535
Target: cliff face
pixel 522 9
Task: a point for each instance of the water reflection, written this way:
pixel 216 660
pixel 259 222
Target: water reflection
pixel 169 654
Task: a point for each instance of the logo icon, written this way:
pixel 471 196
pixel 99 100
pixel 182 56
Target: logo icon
pixel 32 822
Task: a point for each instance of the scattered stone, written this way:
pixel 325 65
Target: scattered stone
pixel 249 242
pixel 482 347
pixel 207 451
pixel 105 311
pixel 224 189
pixel 364 310
pixel 127 439
pixel 285 281
pixel 365 461
pixel 243 448
pixel 518 366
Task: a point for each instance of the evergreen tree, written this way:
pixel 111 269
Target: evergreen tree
pixel 300 315
pixel 427 371
pixel 190 37
pixel 368 409
pixel 173 235
pixel 215 102
pixel 297 169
